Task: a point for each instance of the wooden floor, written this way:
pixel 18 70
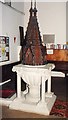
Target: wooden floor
pixel 58 87
pixel 8 113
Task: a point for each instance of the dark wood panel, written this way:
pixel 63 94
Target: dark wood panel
pixel 60 65
pixel 58 55
pixel 7 73
pixel 0 73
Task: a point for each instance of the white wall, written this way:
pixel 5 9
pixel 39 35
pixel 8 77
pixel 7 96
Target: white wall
pixel 51 18
pixel 18 5
pixel 67 21
pixel 11 20
pixel 0 19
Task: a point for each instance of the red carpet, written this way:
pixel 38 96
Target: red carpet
pixel 60 109
pixel 6 93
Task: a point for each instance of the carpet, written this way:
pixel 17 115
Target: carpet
pixel 6 93
pixel 60 109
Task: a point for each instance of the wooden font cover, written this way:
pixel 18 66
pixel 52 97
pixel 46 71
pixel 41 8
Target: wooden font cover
pixel 33 50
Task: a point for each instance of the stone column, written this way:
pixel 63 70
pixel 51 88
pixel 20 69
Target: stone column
pixel 18 86
pixel 43 89
pixel 49 83
pixel 49 93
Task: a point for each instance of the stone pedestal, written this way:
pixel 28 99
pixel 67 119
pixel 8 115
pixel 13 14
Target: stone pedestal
pixel 35 100
pixel 34 94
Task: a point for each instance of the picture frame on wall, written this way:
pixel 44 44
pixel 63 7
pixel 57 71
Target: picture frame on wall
pixel 48 38
pixel 4 48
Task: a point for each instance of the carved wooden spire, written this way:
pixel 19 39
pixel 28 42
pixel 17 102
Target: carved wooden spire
pixel 35 10
pixel 31 3
pixel 35 4
pixel 33 50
